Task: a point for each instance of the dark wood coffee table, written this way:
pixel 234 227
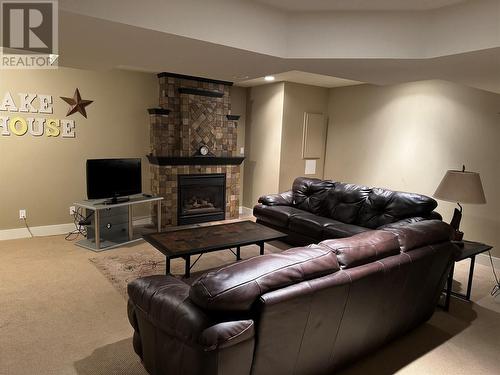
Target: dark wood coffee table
pixel 183 243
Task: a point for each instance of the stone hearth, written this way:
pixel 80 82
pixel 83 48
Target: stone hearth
pixel 193 112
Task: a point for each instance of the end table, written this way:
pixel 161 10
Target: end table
pixel 465 249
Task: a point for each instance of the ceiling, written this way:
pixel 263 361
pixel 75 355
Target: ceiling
pixel 459 43
pixel 357 5
pixel 305 78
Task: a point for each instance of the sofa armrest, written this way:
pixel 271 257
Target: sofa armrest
pixel 229 348
pixel 281 199
pixel 224 335
pixel 164 302
pixel 172 334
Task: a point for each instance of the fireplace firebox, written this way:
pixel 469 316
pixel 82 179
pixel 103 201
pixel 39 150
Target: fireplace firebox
pixel 201 198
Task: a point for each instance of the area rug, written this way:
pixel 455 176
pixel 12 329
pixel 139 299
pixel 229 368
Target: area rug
pixel 121 266
pixel 120 269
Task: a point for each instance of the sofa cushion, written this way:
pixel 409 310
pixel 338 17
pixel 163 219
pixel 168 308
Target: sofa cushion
pixel 386 206
pixel 364 247
pixel 280 199
pixel 422 233
pixel 341 230
pixel 237 286
pixel 309 224
pixel 309 194
pixel 344 201
pixel 276 215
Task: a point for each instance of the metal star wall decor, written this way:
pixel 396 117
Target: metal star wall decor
pixel 77 104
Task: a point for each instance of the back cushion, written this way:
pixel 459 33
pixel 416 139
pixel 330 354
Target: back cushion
pixel 386 206
pixel 344 201
pixel 309 194
pixel 422 233
pixel 237 286
pixel 364 247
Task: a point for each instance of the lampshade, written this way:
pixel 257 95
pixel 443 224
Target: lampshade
pixel 461 187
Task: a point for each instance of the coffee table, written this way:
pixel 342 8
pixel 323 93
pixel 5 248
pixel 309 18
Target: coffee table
pixel 182 243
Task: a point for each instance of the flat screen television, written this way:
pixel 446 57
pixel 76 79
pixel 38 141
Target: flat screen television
pixel 113 178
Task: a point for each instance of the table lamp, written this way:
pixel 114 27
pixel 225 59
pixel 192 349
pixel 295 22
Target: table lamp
pixel 460 187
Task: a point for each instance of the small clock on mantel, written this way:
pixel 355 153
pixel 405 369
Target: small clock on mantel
pixel 204 151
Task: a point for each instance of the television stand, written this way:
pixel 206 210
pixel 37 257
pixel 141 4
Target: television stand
pixel 112 224
pixel 116 200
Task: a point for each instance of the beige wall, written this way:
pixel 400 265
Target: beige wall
pixel 297 100
pixel 239 107
pixel 406 136
pixel 262 141
pixel 46 175
pixel 274 125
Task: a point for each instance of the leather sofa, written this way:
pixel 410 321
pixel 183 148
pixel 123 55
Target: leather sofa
pixel 305 311
pixel 315 210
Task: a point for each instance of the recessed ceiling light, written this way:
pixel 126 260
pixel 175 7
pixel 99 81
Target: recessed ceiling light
pixel 269 78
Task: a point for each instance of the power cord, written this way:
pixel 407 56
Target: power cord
pixel 496 289
pixel 27 227
pixel 80 222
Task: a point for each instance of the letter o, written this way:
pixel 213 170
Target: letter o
pixel 23 128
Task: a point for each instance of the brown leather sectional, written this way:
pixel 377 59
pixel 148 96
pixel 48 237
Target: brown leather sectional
pixel 315 210
pixel 308 310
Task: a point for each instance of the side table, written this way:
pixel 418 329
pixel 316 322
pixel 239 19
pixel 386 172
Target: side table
pixel 465 249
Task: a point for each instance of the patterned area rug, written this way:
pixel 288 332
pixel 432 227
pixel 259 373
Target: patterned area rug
pixel 120 269
pixel 123 265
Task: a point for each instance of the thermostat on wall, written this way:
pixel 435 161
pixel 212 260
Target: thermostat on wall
pixel 310 166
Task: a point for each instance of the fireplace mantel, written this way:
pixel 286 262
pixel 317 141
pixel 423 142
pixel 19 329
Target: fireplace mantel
pixel 195 160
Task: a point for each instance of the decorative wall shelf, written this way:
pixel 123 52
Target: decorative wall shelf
pixel 195 160
pixel 158 111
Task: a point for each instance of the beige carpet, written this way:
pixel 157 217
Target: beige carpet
pixel 60 315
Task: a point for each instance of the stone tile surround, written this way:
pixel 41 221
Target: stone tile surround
pixel 194 120
pixel 164 183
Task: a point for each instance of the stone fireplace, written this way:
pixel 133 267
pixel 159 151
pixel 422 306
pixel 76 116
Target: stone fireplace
pixel 194 112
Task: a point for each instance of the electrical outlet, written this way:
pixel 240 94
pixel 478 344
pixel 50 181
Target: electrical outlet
pixel 72 210
pixel 242 150
pixel 22 214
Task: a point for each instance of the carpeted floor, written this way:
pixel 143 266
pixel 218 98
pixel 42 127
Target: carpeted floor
pixel 59 314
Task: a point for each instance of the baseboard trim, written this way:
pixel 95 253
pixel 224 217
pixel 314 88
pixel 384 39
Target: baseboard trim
pixel 484 260
pixel 53 230
pixel 44 230
pixel 245 211
pixel 58 229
